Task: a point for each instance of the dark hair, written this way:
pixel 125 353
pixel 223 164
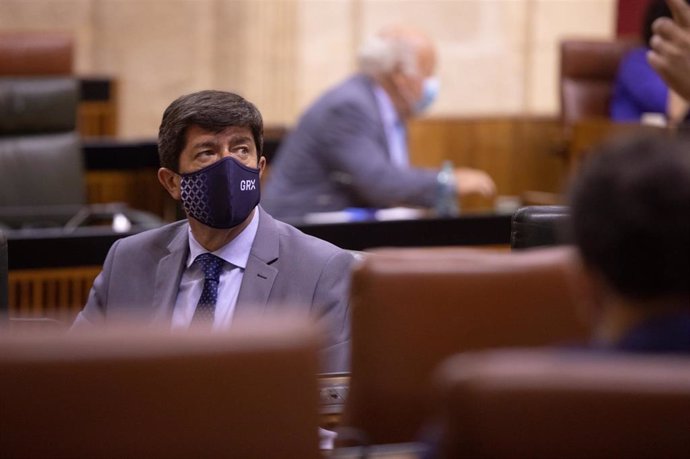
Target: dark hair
pixel 631 215
pixel 655 9
pixel 211 110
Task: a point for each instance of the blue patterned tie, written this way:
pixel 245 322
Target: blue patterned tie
pixel 211 265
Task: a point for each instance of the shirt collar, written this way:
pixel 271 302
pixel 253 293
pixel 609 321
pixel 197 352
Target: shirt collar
pixel 235 252
pixel 388 113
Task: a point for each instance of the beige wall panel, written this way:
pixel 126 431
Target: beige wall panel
pixel 551 21
pixel 260 63
pixel 74 16
pixel 496 56
pixel 157 50
pixel 481 49
pixel 327 44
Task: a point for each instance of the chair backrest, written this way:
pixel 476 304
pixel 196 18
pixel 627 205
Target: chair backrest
pixel 41 163
pixel 3 277
pixel 40 155
pixel 587 76
pixel 537 226
pixel 565 404
pixel 133 393
pixel 36 53
pixel 411 308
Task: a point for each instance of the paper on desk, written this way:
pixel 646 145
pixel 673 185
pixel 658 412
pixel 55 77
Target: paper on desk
pixel 326 439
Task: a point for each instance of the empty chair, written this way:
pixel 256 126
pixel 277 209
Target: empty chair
pixel 42 174
pixel 41 166
pixel 563 404
pixel 41 162
pixel 411 308
pixel 587 77
pixel 537 226
pixel 588 71
pixel 119 393
pixel 40 153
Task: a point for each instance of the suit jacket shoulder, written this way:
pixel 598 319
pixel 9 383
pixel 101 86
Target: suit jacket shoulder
pixel 139 278
pixel 286 265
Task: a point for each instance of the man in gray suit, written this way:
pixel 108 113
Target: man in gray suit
pixel 350 149
pixel 229 257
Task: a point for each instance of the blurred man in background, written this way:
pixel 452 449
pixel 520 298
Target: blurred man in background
pixel 350 147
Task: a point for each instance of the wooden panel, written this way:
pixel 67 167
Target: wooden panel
pixel 98 118
pixel 54 293
pixel 590 132
pixel 521 154
pixel 138 188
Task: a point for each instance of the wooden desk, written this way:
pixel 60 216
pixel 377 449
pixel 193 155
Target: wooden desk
pixel 88 246
pixel 589 133
pixel 51 272
pixel 470 229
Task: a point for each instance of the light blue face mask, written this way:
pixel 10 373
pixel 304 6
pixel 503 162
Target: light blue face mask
pixel 429 92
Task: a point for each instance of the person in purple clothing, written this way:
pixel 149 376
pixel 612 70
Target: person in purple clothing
pixel 639 89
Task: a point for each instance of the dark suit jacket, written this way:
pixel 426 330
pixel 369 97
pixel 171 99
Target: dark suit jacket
pixel 337 157
pixel 286 271
pixel 668 333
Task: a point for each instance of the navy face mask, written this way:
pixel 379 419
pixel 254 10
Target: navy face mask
pixel 221 195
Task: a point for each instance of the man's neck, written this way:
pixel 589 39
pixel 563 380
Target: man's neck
pixel 213 239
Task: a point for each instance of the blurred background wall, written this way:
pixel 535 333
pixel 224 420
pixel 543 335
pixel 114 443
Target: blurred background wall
pixel 496 57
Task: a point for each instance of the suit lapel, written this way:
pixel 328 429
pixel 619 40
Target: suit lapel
pixel 259 275
pixel 168 275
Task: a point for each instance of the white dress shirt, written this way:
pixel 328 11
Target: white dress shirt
pixel 396 134
pixel 235 253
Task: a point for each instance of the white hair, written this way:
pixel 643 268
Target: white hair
pixel 380 55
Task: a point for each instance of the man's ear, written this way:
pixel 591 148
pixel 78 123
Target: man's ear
pixel 170 181
pixel 262 166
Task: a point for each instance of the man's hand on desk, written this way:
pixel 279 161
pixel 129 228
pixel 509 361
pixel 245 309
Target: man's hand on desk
pixel 474 182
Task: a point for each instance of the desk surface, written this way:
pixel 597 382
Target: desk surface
pixel 88 246
pixel 470 229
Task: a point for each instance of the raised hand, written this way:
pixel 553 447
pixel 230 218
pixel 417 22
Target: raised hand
pixel 670 53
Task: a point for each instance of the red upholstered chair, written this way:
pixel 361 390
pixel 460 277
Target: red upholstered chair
pixel 412 308
pixel 588 71
pixel 36 54
pixel 587 77
pixel 251 392
pixel 556 404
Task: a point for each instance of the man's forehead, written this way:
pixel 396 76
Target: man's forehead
pixel 196 134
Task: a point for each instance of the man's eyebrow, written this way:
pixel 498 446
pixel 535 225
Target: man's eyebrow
pixel 235 139
pixel 205 144
pixel 240 138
